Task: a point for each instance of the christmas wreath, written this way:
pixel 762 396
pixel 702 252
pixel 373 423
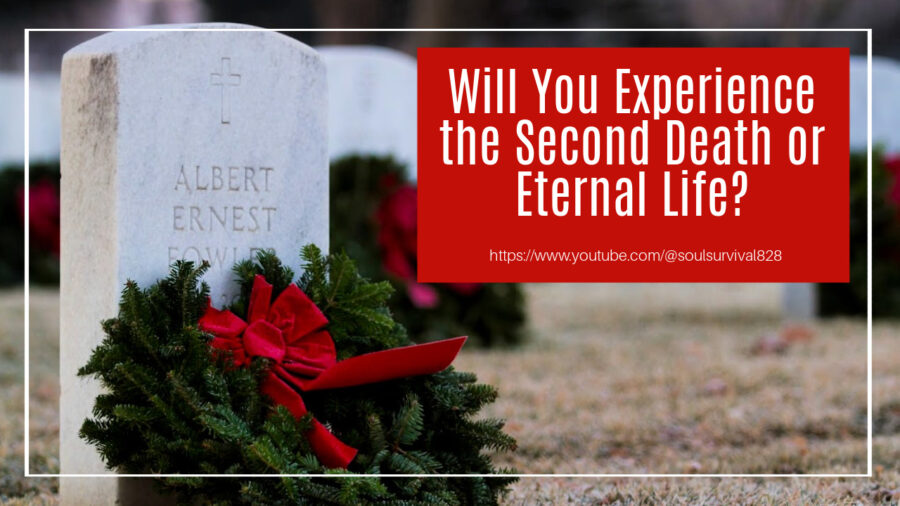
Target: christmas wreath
pixel 373 218
pixel 302 377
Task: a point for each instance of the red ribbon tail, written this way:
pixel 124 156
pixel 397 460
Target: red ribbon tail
pixel 415 360
pixel 330 450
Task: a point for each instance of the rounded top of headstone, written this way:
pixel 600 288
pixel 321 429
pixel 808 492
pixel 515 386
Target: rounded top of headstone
pixel 372 102
pixel 885 101
pixel 368 52
pixel 127 39
pixel 227 124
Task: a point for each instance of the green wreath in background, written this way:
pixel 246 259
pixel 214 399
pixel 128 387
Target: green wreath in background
pixel 373 219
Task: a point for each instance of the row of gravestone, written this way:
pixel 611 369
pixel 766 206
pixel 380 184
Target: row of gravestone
pixel 371 97
pixel 372 109
pixel 372 106
pixel 199 144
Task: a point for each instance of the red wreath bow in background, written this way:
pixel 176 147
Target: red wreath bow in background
pixel 43 213
pixel 397 232
pixel 892 164
pixel 290 332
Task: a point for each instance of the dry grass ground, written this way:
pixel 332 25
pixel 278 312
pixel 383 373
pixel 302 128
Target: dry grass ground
pixel 664 379
pixel 44 396
pixel 616 379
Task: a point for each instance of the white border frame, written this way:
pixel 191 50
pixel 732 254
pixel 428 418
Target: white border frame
pixel 869 467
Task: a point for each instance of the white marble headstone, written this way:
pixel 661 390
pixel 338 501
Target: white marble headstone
pixel 198 145
pixel 372 103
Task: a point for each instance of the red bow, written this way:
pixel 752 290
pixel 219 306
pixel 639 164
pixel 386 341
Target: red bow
pixel 291 333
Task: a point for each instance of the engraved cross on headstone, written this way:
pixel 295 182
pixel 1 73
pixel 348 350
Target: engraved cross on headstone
pixel 225 78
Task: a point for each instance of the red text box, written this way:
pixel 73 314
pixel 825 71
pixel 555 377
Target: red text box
pixel 627 164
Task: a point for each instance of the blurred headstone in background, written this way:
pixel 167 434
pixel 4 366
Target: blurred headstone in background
pixel 885 104
pixel 799 300
pixel 46 49
pixel 371 103
pixel 45 53
pixel 44 111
